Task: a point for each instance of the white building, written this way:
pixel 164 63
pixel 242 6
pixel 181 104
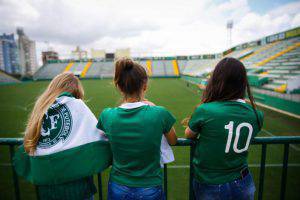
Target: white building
pixel 96 53
pixel 27 54
pixel 1 57
pixel 122 53
pixel 79 54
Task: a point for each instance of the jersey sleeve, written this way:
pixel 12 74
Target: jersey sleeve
pixel 101 120
pixel 197 120
pixel 168 120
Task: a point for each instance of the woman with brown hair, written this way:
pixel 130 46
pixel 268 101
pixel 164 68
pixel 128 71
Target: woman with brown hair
pixel 223 126
pixel 135 130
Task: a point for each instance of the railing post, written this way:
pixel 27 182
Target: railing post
pixel 100 186
pixel 284 170
pixel 15 177
pixel 37 192
pixel 262 171
pixel 166 181
pixel 191 191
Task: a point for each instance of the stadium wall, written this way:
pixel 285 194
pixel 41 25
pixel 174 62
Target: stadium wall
pixel 278 103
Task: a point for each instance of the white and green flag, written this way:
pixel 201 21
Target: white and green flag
pixel 70 146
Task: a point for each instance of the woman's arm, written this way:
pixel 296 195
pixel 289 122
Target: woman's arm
pixel 189 133
pixel 171 136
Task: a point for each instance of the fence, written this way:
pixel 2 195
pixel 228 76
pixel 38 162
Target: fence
pixel 264 141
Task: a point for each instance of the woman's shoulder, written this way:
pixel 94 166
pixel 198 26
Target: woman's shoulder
pixel 108 110
pixel 207 106
pixel 158 109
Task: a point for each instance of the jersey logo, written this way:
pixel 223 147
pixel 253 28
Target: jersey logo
pixel 56 126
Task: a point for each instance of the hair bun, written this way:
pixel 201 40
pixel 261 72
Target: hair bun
pixel 128 65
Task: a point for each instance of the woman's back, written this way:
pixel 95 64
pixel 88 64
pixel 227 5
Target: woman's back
pixel 224 125
pixel 226 129
pixel 135 131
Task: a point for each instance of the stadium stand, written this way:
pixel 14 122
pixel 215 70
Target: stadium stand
pixel 279 63
pixel 5 78
pixel 158 68
pixel 102 69
pixel 107 69
pixel 273 64
pixel 265 53
pixel 273 69
pixel 241 52
pixel 94 70
pixel 77 67
pixel 199 67
pixel 86 68
pixel 182 64
pixel 49 71
pixel 143 63
pixel 176 69
pixel 164 68
pixel 149 67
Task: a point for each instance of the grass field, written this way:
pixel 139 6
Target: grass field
pixel 17 101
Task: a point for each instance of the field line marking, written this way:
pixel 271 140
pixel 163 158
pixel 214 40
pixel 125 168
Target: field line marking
pixel 271 134
pixel 250 165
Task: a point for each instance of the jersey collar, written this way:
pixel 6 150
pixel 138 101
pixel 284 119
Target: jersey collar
pixel 65 94
pixel 132 105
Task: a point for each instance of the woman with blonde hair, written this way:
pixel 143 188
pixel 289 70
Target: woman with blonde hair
pixel 62 146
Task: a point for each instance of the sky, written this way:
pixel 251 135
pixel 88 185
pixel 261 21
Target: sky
pixel 148 28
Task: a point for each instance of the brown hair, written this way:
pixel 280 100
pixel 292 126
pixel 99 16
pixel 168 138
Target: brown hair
pixel 130 77
pixel 228 82
pixel 64 82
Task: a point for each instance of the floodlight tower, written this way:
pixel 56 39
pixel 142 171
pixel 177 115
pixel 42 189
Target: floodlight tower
pixel 48 46
pixel 229 31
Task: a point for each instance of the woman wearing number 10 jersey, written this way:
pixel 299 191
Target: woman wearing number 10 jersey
pixel 223 126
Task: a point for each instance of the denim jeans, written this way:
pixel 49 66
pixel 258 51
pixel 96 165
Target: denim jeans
pixel 242 189
pixel 122 192
pixel 90 198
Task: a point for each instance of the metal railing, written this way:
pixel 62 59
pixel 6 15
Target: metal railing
pixel 264 141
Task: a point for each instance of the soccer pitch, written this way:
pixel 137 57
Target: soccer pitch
pixel 17 101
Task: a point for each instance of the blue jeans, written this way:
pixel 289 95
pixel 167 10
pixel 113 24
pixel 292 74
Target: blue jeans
pixel 122 192
pixel 243 189
pixel 91 198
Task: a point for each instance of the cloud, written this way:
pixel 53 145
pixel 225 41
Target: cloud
pixel 170 27
pixel 70 22
pixel 254 26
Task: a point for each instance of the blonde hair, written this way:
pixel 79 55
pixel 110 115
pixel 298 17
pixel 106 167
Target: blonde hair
pixel 64 82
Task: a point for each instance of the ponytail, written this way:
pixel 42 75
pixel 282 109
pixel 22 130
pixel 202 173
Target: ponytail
pixel 130 77
pixel 252 102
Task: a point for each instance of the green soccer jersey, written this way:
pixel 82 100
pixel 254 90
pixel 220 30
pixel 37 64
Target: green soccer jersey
pixel 135 133
pixel 225 130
